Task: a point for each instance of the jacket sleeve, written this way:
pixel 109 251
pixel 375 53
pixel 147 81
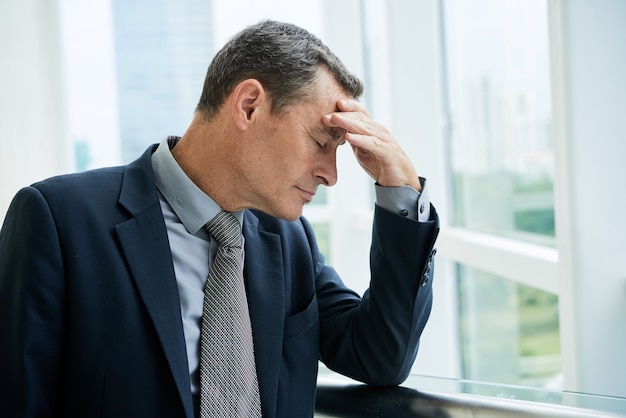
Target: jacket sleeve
pixel 31 308
pixel 375 339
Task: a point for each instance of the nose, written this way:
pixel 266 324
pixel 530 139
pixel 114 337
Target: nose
pixel 326 169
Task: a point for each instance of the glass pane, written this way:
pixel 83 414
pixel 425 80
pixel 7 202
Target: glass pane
pixel 463 390
pixel 322 233
pixel 500 108
pixel 509 332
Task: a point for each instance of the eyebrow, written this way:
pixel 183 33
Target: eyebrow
pixel 332 132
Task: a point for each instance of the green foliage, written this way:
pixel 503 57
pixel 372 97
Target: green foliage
pixel 509 332
pixel 504 203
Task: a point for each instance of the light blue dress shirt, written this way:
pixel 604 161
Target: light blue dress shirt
pixel 186 209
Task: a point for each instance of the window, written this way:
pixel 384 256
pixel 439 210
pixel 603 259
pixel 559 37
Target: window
pixel 509 332
pixel 501 173
pixel 500 107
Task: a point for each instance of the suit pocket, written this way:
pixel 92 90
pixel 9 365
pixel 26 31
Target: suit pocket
pixel 298 376
pixel 302 321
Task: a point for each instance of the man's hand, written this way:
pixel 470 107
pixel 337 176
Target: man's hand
pixel 374 147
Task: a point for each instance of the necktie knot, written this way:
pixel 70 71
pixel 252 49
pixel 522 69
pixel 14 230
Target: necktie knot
pixel 224 227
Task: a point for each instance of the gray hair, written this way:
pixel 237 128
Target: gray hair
pixel 283 57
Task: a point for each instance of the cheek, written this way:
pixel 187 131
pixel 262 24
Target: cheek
pixel 292 162
pixel 287 158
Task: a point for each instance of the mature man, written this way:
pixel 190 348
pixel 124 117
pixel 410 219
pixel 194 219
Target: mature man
pixel 120 297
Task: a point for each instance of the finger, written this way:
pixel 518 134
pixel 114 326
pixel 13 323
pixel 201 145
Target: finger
pixel 351 105
pixel 355 122
pixel 369 143
pixel 348 108
pixel 350 121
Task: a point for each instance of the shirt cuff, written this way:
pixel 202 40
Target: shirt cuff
pixel 405 201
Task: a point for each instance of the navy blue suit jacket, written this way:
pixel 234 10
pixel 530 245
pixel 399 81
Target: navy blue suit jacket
pixel 90 311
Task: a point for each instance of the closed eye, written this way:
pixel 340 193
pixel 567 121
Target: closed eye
pixel 320 143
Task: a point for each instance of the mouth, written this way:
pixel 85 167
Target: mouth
pixel 308 196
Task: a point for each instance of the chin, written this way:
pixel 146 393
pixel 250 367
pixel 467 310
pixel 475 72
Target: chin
pixel 292 217
pixel 289 216
pixel 284 212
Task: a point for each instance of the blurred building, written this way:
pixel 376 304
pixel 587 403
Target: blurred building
pixel 162 50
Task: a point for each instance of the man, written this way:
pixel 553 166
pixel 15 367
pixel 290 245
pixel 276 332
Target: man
pixel 102 274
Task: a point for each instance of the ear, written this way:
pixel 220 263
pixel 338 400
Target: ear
pixel 248 98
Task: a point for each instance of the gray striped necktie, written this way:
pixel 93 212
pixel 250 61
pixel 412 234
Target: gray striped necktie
pixel 228 380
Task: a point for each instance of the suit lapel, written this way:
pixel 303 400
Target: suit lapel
pixel 266 299
pixel 144 241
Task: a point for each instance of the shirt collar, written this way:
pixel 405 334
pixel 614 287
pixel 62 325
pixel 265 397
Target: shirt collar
pixel 192 206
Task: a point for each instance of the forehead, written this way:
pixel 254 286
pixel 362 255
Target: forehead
pixel 323 97
pixel 327 88
pixel 307 113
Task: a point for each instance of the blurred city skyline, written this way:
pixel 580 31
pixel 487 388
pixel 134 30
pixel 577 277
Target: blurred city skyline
pixel 134 70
